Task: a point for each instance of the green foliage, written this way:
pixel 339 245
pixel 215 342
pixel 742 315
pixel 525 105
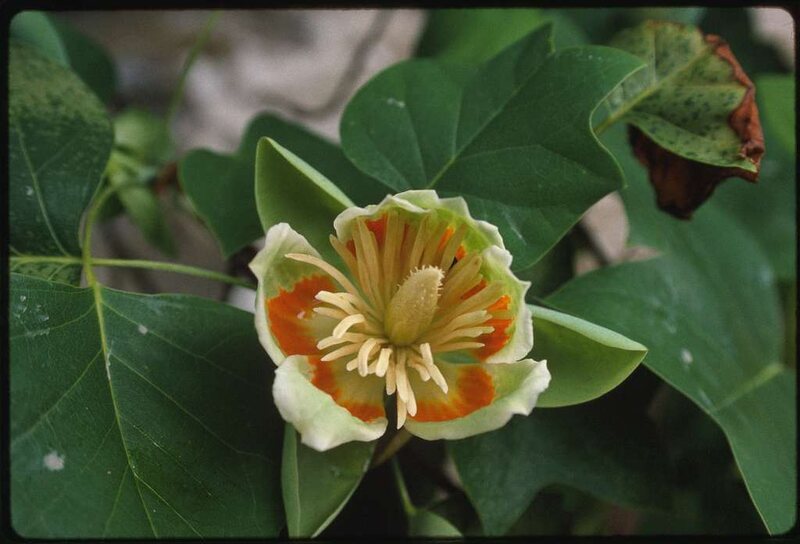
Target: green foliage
pixel 596 447
pixel 425 523
pixel 475 35
pixel 142 145
pixel 708 311
pixel 776 93
pixel 599 24
pixel 59 141
pixel 497 135
pixel 735 25
pixel 58 41
pixel 121 411
pixel 36 30
pixel 290 190
pixel 585 360
pixel 221 186
pixel 767 209
pixel 317 485
pixel 709 494
pixel 89 60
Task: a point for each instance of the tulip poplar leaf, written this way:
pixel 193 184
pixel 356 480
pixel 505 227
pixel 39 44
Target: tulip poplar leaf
pixel 592 447
pixel 498 134
pixel 138 416
pixel 708 311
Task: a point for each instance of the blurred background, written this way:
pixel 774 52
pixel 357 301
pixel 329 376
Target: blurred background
pixel 303 65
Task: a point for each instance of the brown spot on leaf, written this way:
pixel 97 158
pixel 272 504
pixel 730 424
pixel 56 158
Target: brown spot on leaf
pixel 744 119
pixel 681 184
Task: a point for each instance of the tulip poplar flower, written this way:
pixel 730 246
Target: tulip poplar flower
pixel 423 308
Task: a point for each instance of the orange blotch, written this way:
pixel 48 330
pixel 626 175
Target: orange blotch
pixel 378 228
pixel 473 389
pixel 495 340
pixel 501 303
pixel 460 252
pixel 324 378
pixel 283 310
pixel 474 290
pixel 448 233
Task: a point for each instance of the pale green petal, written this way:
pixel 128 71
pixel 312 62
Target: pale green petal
pixel 517 388
pixel 275 272
pixel 321 422
pixel 480 234
pixel 497 267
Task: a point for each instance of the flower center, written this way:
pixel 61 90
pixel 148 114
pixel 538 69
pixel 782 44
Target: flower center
pixel 387 326
pixel 411 309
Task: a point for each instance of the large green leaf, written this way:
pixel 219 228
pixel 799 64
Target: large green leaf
pixel 289 190
pixel 768 208
pixel 317 485
pixel 500 136
pixel 138 416
pixel 221 187
pixel 598 447
pixel 708 311
pixel 59 142
pixel 584 359
pixel 475 35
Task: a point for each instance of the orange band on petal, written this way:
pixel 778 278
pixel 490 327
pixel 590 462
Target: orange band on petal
pixel 288 311
pixel 501 303
pixel 378 228
pixel 473 390
pixel 324 378
pixel 495 340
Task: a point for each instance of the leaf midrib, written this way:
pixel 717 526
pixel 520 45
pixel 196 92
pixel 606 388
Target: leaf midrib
pixel 98 303
pixel 489 119
pixel 658 86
